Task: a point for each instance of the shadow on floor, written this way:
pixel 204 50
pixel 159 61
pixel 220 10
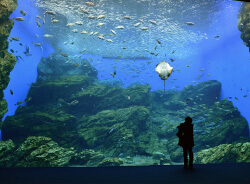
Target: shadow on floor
pixel 210 173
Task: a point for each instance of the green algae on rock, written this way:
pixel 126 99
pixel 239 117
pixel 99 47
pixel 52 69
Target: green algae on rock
pixel 225 153
pixel 110 162
pixel 58 125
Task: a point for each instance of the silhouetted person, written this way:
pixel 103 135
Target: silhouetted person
pixel 186 140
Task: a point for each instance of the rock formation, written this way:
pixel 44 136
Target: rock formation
pixel 7 60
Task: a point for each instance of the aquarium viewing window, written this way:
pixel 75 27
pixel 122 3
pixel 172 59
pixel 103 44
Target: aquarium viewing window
pixel 106 83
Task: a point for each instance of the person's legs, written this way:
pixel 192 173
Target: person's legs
pixel 185 156
pixel 191 157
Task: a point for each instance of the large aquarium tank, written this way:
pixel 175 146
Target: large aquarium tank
pixel 106 82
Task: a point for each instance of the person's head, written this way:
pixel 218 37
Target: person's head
pixel 188 120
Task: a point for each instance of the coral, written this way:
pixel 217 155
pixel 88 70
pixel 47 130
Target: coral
pixel 225 153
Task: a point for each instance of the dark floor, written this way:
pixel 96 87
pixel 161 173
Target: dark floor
pixel 211 173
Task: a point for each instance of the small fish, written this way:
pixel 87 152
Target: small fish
pixel 84 11
pixel 23 12
pixel 113 32
pixel 50 12
pixel 187 65
pixel 37 44
pixel 64 54
pixel 216 36
pixel 119 27
pixel 38 23
pixel 19 103
pixel 19 18
pixel 84 32
pixel 172 60
pixel 39 17
pixel 70 24
pixel 137 24
pixel 89 3
pixel 11 92
pixel 144 28
pixel 12 50
pixel 14 38
pixel 236 98
pixel 100 24
pixel 140 20
pixel 101 16
pixel 126 17
pixel 124 48
pixel 79 23
pixel 189 23
pixel 21 44
pixel 17 57
pixel 113 74
pixel 74 31
pixel 91 17
pixel 47 36
pixel 109 40
pixel 27 99
pixel 152 21
pixel 202 69
pixel 27 51
pixel 55 21
pixel 173 51
pixel 101 37
pixel 245 96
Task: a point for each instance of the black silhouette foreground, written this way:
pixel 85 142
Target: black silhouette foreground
pixel 186 140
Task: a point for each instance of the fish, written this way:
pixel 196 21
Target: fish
pixel 91 17
pixel 84 11
pixel 84 32
pixel 14 38
pixel 137 24
pixel 75 102
pixel 27 51
pixel 101 16
pixel 164 70
pixel 23 12
pixel 50 12
pixel 109 40
pixel 101 37
pixel 202 69
pixel 36 35
pixel 173 51
pixel 144 28
pixel 28 99
pixel 55 21
pixel 216 36
pixel 152 21
pixel 172 60
pixel 119 27
pixel 126 17
pixel 39 17
pixel 38 23
pixel 19 103
pixel 74 31
pixel 187 65
pixel 47 36
pixel 19 18
pixel 37 44
pixel 158 41
pixel 11 92
pixel 189 23
pixel 19 57
pixel 12 50
pixel 64 54
pixel 90 3
pixel 21 44
pixel 113 32
pixel 79 22
pixel 113 74
pixel 70 24
pixel 245 96
pixel 100 24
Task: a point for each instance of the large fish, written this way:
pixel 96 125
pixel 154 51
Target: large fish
pixel 164 70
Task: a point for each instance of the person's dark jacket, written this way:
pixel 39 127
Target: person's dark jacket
pixel 185 134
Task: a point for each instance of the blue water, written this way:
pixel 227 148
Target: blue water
pixel 225 58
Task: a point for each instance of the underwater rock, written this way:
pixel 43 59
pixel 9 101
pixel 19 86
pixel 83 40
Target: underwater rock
pixel 177 156
pixel 110 162
pixel 56 66
pixel 225 153
pixel 7 60
pixel 206 92
pixel 58 125
pixel 38 152
pixel 243 23
pixel 63 87
pixel 88 157
pixel 6 147
pixel 117 130
pixel 100 97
